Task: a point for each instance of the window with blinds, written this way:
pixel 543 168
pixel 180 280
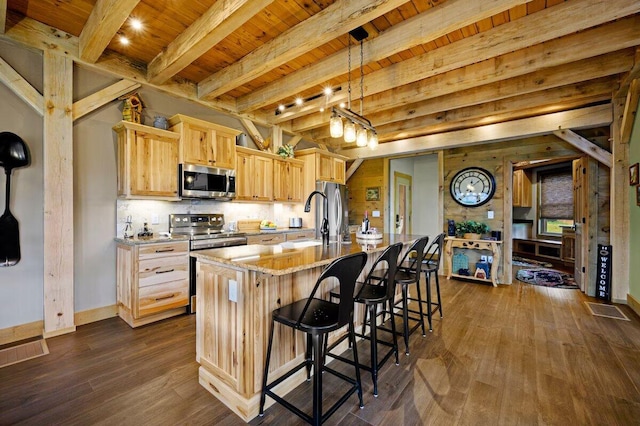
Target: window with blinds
pixel 555 208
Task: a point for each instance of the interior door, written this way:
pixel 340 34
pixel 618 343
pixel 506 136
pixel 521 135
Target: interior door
pixel 402 203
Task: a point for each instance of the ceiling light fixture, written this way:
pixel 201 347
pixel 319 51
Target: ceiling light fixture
pixel 124 41
pixel 136 24
pixel 365 134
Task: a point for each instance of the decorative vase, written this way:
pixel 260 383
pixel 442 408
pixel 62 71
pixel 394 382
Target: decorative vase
pixel 160 123
pixel 471 236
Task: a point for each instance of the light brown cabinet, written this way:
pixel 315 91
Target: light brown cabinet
pixel 287 180
pixel 147 162
pixel 522 188
pixel 254 175
pixel 152 281
pixel 322 165
pixel 307 234
pixel 269 238
pixel 205 143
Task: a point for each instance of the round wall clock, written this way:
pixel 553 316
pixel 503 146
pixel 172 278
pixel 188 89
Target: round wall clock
pixel 472 187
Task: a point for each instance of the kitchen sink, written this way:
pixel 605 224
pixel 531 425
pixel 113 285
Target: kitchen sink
pixel 300 244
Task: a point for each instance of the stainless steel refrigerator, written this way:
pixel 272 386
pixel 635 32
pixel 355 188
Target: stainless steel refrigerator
pixel 338 212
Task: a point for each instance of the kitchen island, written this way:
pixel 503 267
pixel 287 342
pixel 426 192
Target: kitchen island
pixel 238 288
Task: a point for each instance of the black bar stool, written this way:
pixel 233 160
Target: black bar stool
pixel 316 318
pixel 430 266
pixel 375 291
pixel 405 276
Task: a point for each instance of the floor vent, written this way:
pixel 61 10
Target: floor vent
pixel 608 311
pixel 19 353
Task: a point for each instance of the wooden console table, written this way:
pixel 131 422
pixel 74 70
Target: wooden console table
pixel 495 247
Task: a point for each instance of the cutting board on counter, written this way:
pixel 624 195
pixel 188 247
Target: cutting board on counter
pixel 247 225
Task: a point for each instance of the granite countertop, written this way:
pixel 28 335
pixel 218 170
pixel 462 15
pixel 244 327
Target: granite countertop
pixel 277 260
pixel 278 230
pixel 153 240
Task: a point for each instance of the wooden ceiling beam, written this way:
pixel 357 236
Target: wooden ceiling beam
pixel 633 74
pixel 254 133
pixel 549 34
pixel 545 101
pixel 548 78
pixel 103 24
pixel 586 146
pixel 630 111
pixel 36 35
pixel 595 116
pixel 220 20
pixel 21 87
pixel 321 28
pixel 102 97
pixel 625 34
pixel 426 26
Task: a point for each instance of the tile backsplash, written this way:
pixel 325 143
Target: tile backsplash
pixel 142 211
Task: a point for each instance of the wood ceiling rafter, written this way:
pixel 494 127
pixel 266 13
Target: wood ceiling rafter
pixel 339 18
pixel 595 116
pixel 435 22
pixel 552 31
pixel 443 97
pixel 43 37
pixel 214 25
pixel 106 18
pixel 518 106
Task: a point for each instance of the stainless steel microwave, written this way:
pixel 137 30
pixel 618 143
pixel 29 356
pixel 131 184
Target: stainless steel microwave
pixel 206 182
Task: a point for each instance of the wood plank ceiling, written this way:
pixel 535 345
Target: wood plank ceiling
pixel 430 66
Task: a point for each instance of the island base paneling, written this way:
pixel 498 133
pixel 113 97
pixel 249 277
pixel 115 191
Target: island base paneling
pixel 233 320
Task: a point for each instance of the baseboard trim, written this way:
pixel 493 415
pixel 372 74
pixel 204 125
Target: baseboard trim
pixel 93 315
pixel 21 332
pixel 633 304
pixel 36 328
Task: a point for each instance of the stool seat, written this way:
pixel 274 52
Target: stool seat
pixel 316 315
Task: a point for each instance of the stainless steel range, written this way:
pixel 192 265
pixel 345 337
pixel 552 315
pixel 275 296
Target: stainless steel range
pixel 205 231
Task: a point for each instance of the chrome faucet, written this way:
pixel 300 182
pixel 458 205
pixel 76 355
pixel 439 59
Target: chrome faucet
pixel 324 229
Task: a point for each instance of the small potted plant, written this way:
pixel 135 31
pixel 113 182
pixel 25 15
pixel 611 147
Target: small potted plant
pixel 471 230
pixel 285 151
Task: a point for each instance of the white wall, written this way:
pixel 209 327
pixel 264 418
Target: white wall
pixel 424 171
pixel 21 288
pixel 96 208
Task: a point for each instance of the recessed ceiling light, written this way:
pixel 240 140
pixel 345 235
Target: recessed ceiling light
pixel 328 91
pixel 281 107
pixel 321 109
pixel 136 24
pixel 299 101
pixel 124 40
pixel 342 105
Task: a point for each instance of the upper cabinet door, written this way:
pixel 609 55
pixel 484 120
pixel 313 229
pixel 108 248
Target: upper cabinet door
pixel 197 144
pixel 204 143
pixel 147 162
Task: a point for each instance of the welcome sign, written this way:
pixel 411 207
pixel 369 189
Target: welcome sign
pixel 603 280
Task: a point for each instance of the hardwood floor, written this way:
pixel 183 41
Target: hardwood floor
pixel 516 354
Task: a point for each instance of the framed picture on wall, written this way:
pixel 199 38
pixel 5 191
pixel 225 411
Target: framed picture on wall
pixel 372 194
pixel 633 175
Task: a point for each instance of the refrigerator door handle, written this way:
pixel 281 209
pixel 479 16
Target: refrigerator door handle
pixel 338 212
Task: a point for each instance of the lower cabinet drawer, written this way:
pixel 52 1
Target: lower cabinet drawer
pixel 266 239
pixel 161 297
pixel 163 269
pixel 301 235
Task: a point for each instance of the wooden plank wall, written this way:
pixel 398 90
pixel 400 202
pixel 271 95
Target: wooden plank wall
pixel 369 174
pixel 492 157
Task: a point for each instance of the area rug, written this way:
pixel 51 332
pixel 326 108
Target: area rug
pixel 522 261
pixel 546 278
pixel 607 311
pixel 19 353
